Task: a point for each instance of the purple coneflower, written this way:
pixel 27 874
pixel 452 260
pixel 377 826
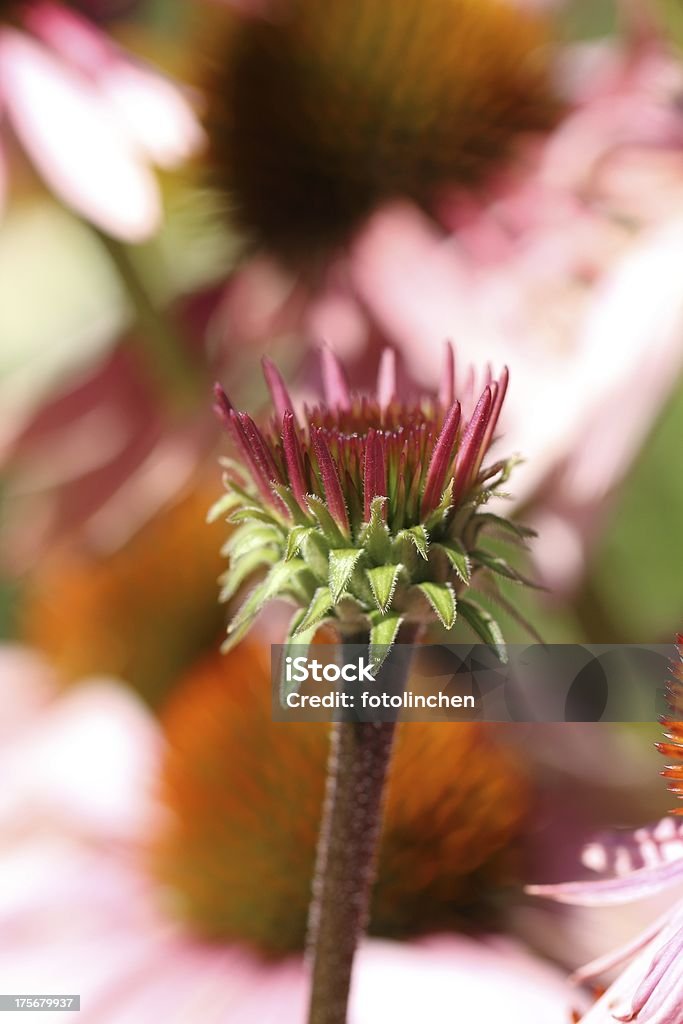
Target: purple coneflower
pixel 92 120
pixel 368 512
pixel 367 509
pixel 642 864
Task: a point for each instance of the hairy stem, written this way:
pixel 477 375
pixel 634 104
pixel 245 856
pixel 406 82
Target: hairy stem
pixel 358 769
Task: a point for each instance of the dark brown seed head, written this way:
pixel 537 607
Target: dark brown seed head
pixel 320 114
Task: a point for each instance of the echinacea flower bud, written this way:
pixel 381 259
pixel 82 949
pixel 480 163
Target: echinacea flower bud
pixel 323 110
pixel 367 511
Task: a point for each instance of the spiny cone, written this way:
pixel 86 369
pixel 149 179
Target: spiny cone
pixel 672 747
pixel 245 795
pixel 368 512
pixel 323 111
pixel 142 614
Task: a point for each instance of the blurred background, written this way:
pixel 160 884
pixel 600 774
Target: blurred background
pixel 178 199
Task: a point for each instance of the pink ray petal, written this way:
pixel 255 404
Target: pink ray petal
pixel 386 378
pixel 333 491
pixel 605 892
pixel 440 462
pixel 278 389
pixel 335 384
pixel 294 458
pixel 80 43
pixel 447 382
pixel 75 142
pixel 604 964
pixel 153 112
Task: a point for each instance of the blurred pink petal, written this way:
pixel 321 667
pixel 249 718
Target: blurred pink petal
pixel 155 114
pixel 103 454
pixel 77 145
pixel 153 111
pixel 27 683
pixel 88 761
pixel 650 990
pixel 70 36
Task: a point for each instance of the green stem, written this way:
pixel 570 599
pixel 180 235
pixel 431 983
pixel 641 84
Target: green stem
pixel 358 769
pixel 157 338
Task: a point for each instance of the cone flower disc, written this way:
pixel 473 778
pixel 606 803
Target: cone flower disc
pixel 322 111
pixel 367 510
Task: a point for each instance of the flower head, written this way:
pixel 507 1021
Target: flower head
pixel 368 510
pixel 92 121
pixel 238 851
pixel 84 910
pixel 636 866
pixel 322 111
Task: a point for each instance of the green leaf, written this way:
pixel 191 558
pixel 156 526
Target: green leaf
pixel 484 625
pixel 317 610
pixel 442 600
pixel 246 497
pixel 277 581
pixel 458 558
pixel 375 538
pixel 292 505
pixel 297 536
pixel 250 536
pixel 383 630
pixel 419 537
pixel 221 508
pixel 316 552
pixel 242 569
pixel 503 525
pixel 491 588
pixel 329 527
pixel 383 581
pixel 501 568
pixel 342 562
pixel 252 513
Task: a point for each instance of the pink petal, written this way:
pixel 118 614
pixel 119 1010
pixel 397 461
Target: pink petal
pixel 278 389
pixel 440 462
pixel 27 683
pixel 386 378
pixel 153 112
pixel 335 384
pixel 333 492
pixel 75 141
pixel 88 761
pixel 452 978
pixel 613 891
pixel 78 41
pixel 294 458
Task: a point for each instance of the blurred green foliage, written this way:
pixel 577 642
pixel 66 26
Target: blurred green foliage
pixel 639 566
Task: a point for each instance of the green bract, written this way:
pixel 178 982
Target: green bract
pixel 368 515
